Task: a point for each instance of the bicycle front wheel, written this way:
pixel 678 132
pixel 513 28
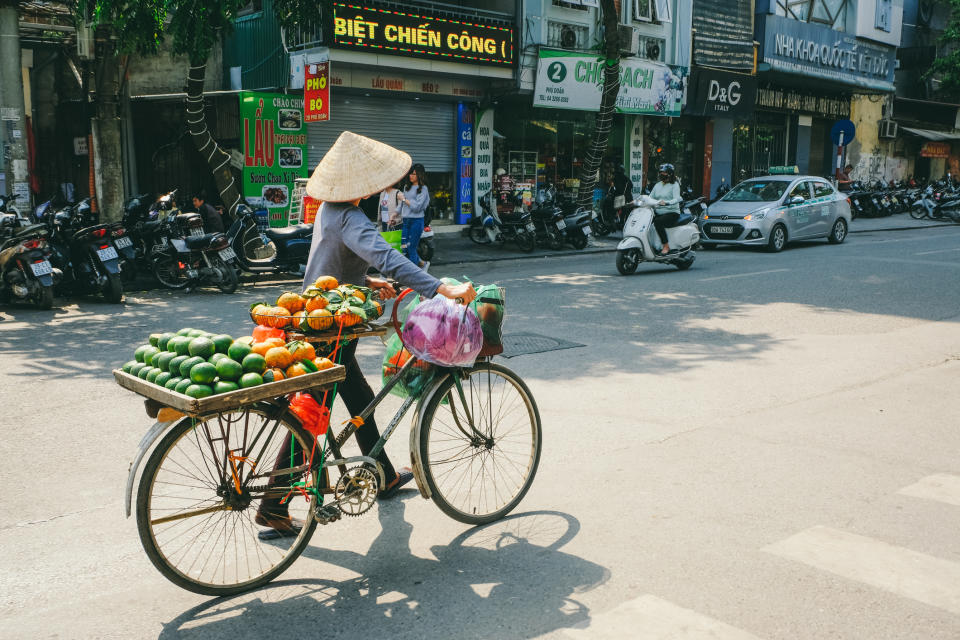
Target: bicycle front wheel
pixel 479 444
pixel 205 486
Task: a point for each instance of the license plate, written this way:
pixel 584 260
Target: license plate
pixel 561 225
pixel 41 268
pixel 123 242
pixel 587 230
pixel 531 227
pixel 228 254
pixel 721 229
pixel 192 273
pixel 107 254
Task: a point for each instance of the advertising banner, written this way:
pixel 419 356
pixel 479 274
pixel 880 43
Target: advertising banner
pixel 483 157
pixel 392 32
pixel 935 150
pixel 464 197
pixel 570 80
pixel 316 92
pixel 635 155
pixel 274 150
pixel 817 51
pixel 718 93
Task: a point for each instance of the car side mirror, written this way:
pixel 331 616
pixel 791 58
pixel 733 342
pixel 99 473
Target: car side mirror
pixel 796 200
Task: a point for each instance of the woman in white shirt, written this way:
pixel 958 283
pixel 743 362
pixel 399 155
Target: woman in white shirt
pixel 389 207
pixel 413 203
pixel 667 194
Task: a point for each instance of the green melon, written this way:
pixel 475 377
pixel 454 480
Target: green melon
pixel 188 364
pixel 229 370
pixel 203 373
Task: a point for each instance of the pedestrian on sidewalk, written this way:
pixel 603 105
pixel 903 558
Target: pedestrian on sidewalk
pixel 413 203
pixel 390 207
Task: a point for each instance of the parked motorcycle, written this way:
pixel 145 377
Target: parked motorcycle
pixel 83 250
pixel 548 218
pixel 642 244
pixel 187 257
pixel 280 250
pixel 26 274
pixel 492 226
pixel 937 203
pixel 426 247
pixel 6 204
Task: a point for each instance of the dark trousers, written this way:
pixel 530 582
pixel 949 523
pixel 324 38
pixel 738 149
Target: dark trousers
pixel 662 221
pixel 356 394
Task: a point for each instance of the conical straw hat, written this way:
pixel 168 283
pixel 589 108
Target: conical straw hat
pixel 356 167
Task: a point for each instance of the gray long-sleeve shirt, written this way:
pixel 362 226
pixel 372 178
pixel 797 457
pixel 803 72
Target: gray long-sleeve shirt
pixel 416 203
pixel 345 243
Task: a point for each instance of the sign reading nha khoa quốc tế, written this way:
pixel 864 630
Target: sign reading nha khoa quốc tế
pixel 416 34
pixel 570 80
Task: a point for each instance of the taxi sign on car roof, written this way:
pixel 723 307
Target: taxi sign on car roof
pixel 784 171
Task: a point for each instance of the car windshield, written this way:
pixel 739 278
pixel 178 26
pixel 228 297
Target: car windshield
pixel 757 191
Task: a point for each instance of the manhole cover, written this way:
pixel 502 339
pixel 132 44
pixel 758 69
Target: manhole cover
pixel 519 344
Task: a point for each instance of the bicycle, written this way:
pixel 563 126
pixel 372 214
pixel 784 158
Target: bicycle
pixel 475 447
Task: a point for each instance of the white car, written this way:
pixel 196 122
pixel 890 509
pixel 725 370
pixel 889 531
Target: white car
pixel 773 210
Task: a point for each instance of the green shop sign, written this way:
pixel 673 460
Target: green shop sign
pixel 570 80
pixel 274 150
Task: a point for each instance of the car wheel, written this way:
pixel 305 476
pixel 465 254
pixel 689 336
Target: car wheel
pixel 839 232
pixel 778 239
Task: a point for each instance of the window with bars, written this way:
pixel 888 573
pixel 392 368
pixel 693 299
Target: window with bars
pixel 831 13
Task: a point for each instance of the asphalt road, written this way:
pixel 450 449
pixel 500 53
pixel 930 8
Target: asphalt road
pixel 764 446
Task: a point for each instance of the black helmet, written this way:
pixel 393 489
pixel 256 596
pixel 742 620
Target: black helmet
pixel 667 168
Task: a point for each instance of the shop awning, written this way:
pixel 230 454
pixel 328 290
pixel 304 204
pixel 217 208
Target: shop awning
pixel 930 134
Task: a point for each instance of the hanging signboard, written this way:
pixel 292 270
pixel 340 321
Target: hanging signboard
pixel 720 94
pixel 274 150
pixel 935 150
pixel 316 92
pixel 482 157
pixel 422 35
pixel 570 80
pixel 464 197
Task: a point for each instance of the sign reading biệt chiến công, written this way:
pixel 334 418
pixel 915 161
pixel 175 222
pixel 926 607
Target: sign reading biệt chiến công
pixel 571 80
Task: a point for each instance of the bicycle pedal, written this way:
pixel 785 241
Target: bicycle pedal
pixel 326 514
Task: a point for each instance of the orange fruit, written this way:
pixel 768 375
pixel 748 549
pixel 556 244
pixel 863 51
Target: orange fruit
pixel 270 343
pixel 274 375
pixel 295 370
pixel 247 340
pixel 279 317
pixel 322 363
pixel 261 314
pixel 300 350
pixel 360 294
pixel 316 302
pixel 292 302
pixel 346 318
pixel 319 319
pixel 278 357
pixel 326 283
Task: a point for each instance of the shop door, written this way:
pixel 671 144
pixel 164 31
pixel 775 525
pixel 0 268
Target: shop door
pixel 425 130
pixel 819 148
pixel 758 144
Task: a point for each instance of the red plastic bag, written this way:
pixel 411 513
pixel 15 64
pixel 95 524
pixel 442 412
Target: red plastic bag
pixel 261 333
pixel 314 416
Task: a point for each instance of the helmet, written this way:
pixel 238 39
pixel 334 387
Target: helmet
pixel 667 168
pixel 501 171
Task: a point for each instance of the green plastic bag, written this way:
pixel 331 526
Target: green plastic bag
pixel 417 378
pixel 393 238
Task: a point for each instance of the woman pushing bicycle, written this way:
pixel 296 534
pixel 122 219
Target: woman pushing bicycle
pixel 345 244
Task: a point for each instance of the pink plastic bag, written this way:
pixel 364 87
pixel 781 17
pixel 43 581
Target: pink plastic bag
pixel 444 333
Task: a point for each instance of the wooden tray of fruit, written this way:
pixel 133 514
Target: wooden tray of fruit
pixel 197 372
pixel 232 399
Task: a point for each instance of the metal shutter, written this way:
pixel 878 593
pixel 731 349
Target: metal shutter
pixel 425 130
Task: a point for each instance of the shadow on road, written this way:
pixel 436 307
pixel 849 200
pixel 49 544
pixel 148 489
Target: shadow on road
pixel 508 579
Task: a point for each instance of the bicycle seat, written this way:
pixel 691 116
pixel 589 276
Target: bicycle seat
pixel 290 233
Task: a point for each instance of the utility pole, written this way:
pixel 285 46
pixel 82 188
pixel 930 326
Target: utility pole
pixel 13 120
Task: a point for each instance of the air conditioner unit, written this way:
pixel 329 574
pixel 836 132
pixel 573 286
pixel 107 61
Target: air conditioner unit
pixel 85 46
pixel 651 48
pixel 568 37
pixel 629 40
pixel 888 129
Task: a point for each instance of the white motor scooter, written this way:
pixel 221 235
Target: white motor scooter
pixel 642 244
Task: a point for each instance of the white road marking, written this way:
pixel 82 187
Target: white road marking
pixel 652 618
pixel 742 275
pixel 900 571
pixel 927 253
pixel 941 487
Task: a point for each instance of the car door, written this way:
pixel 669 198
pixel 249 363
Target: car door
pixel 799 211
pixel 824 198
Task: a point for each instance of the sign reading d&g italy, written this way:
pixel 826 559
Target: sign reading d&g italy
pixel 274 150
pixel 570 80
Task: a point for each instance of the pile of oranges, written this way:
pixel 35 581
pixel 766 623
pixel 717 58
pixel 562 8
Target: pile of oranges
pixel 319 307
pixel 286 359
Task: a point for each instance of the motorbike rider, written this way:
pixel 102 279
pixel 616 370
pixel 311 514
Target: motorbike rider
pixel 619 191
pixel 667 194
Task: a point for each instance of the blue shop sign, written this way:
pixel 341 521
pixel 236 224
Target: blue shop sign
pixel 464 181
pixel 815 51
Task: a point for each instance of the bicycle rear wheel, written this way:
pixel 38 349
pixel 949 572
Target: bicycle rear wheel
pixel 479 451
pixel 197 528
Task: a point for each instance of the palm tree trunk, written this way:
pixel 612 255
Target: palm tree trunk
pixel 608 100
pixel 217 158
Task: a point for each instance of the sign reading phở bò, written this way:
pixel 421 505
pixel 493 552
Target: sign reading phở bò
pixel 416 34
pixel 316 92
pixel 274 150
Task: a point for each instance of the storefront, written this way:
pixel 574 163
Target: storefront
pixel 928 137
